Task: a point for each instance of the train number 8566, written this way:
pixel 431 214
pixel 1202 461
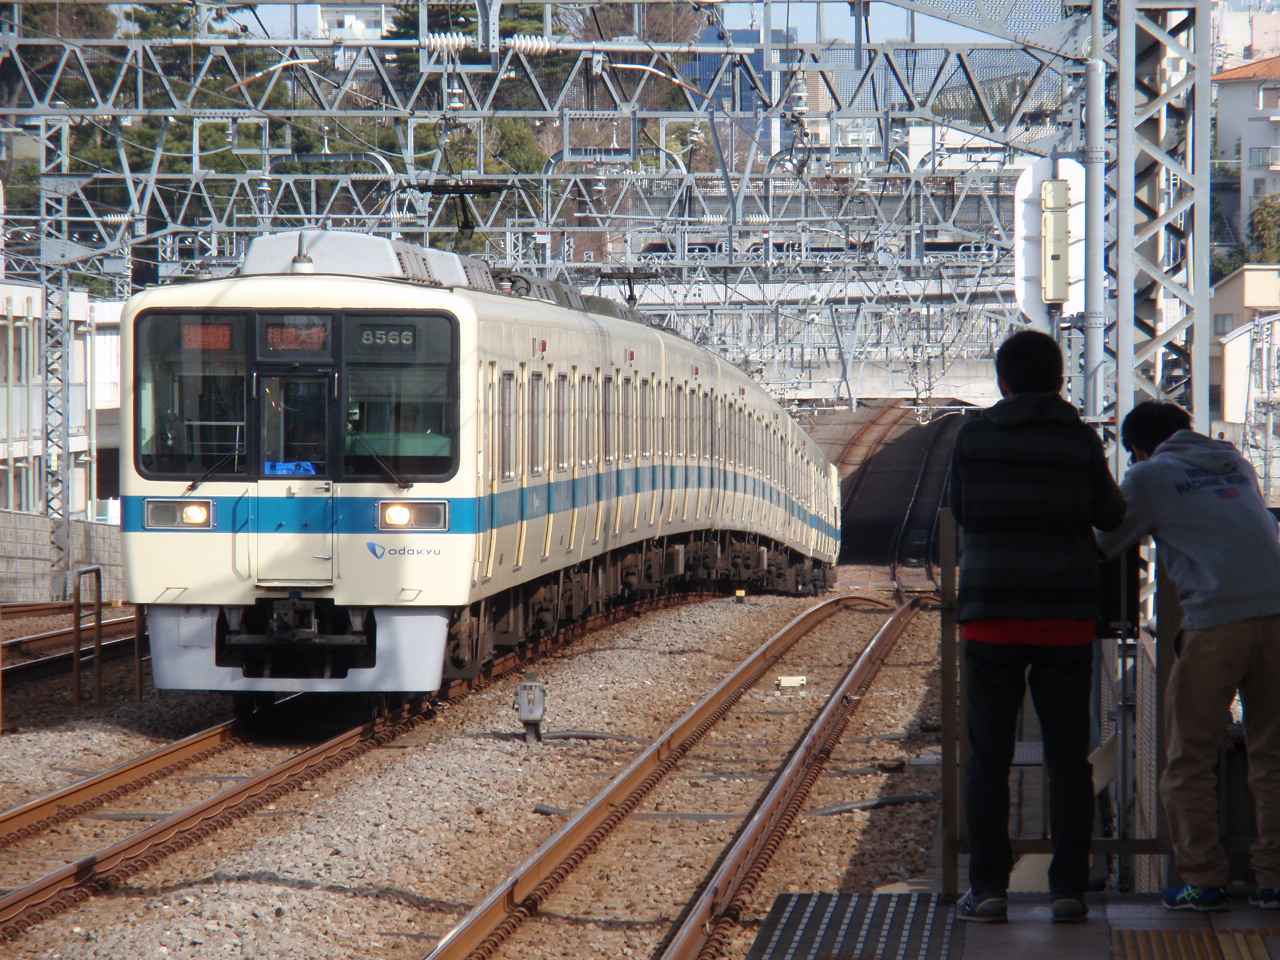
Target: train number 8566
pixel 387 337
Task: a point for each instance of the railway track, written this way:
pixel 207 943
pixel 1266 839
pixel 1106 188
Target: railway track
pixel 164 779
pixel 129 794
pixel 19 611
pixel 913 559
pixel 40 653
pixel 582 869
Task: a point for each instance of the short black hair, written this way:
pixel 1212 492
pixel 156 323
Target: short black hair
pixel 1030 362
pixel 1150 424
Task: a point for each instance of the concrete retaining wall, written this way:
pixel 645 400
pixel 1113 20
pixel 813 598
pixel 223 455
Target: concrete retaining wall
pixel 26 559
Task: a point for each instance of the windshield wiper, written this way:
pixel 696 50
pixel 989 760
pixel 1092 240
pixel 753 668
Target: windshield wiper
pixel 381 461
pixel 218 464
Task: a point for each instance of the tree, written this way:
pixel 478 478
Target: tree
pixel 1226 264
pixel 1264 230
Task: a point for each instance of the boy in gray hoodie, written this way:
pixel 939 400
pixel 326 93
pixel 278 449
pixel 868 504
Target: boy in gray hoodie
pixel 1201 501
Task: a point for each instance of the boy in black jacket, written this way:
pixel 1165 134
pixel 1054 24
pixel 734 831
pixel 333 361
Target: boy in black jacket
pixel 1029 482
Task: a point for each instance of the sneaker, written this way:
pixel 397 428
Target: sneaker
pixel 1204 899
pixel 1265 898
pixel 983 907
pixel 1069 909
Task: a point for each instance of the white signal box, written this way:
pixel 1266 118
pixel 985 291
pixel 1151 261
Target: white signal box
pixel 1048 249
pixel 1055 238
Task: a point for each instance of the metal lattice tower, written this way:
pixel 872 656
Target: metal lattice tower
pixel 764 194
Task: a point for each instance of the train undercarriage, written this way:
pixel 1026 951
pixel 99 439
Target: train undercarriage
pixel 714 561
pixel 301 638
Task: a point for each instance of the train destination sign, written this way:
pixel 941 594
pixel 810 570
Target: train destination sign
pixel 306 338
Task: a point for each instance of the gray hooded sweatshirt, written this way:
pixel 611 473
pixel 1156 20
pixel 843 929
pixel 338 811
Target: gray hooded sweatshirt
pixel 1200 499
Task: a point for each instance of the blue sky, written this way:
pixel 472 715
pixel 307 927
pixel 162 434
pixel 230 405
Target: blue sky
pixel 887 22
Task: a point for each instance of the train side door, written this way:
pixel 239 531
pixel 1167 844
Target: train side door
pixel 295 514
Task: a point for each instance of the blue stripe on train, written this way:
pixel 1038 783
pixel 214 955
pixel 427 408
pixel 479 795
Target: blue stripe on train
pixel 467 515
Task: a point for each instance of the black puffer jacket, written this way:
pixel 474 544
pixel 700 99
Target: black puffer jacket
pixel 1029 482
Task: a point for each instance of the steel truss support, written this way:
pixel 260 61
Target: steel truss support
pixel 1162 246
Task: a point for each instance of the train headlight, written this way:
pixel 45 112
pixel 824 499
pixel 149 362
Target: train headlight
pixel 413 515
pixel 179 514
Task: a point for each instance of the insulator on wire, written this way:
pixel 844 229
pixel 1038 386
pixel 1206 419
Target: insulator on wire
pixel 445 42
pixel 523 43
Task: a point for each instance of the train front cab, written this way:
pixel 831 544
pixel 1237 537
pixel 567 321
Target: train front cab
pixel 293 489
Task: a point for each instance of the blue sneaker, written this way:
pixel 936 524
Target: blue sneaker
pixel 1265 898
pixel 1203 899
pixel 1068 909
pixel 983 907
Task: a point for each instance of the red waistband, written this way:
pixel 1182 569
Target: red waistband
pixel 1049 633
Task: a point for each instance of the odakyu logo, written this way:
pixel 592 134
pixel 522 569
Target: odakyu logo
pixel 379 551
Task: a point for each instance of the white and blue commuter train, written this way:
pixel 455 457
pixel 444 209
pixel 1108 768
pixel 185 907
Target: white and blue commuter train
pixel 361 465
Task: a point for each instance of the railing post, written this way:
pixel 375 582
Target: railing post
pixel 96 572
pixel 139 631
pixel 948 544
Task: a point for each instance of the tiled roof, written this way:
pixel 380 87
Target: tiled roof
pixel 1253 70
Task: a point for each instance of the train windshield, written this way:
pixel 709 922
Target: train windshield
pixel 362 396
pixel 401 397
pixel 190 394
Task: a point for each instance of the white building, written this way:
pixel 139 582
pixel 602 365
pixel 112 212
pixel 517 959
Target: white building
pixel 1243 35
pixel 1251 395
pixel 1248 130
pixel 92 384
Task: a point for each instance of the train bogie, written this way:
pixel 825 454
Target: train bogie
pixel 374 483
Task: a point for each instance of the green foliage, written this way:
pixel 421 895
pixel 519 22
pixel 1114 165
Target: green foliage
pixel 79 20
pixel 1226 264
pixel 1264 230
pixel 514 146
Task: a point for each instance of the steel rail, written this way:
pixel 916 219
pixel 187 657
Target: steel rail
pixel 12 611
pixel 516 898
pixel 709 921
pixel 67 634
pixel 69 802
pixel 916 537
pixel 26 670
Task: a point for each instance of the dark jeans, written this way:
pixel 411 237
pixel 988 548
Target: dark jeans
pixel 1061 680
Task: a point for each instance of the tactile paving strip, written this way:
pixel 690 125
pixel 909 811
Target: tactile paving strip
pixel 1191 944
pixel 849 926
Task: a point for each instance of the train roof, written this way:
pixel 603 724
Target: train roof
pixel 345 253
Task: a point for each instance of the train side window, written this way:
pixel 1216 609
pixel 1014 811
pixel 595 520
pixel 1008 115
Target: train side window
pixel 561 442
pixel 677 418
pixel 506 425
pixel 707 413
pixel 646 419
pixel 536 398
pixel 664 421
pixel 692 418
pixel 628 423
pixel 735 436
pixel 608 421
pixel 588 421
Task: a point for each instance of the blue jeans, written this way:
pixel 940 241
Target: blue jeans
pixel 1061 680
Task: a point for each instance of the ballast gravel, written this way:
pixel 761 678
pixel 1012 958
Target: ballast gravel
pixel 380 859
